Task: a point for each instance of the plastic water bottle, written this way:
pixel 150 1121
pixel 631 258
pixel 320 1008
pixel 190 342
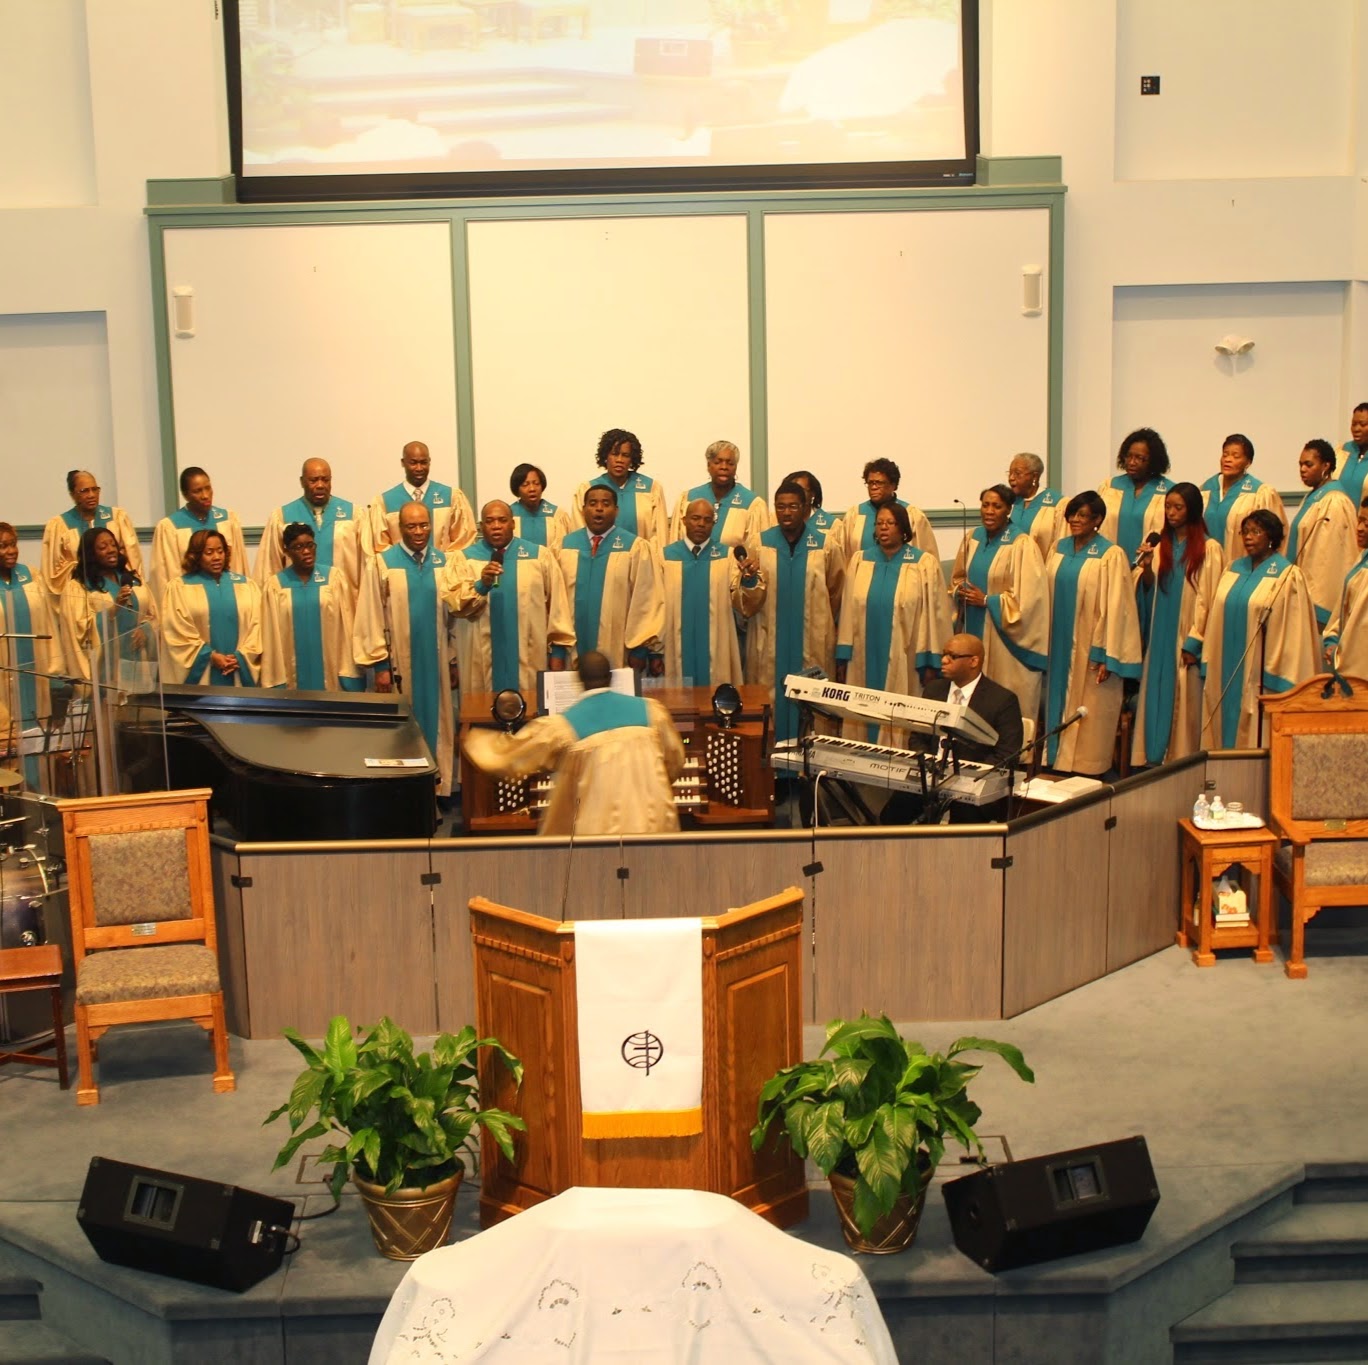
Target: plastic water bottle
pixel 1217 807
pixel 1201 808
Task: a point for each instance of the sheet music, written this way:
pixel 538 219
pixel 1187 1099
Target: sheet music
pixel 560 690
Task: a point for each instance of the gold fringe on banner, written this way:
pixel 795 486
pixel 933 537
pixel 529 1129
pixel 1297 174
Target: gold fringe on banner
pixel 649 1123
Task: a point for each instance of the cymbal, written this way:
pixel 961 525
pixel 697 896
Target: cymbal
pixel 9 779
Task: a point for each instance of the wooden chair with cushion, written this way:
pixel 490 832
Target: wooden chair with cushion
pixel 143 935
pixel 1318 801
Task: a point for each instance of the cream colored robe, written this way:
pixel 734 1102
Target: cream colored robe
pixel 1047 527
pixel 632 614
pixel 346 555
pixel 169 542
pixel 453 523
pixel 47 655
pixel 652 520
pixel 725 594
pixel 1154 512
pixel 1264 497
pixel 544 618
pixel 1106 622
pixel 337 619
pixel 741 516
pixel 1016 622
pixel 847 535
pixel 61 544
pixel 89 627
pixel 1346 637
pixel 557 524
pixel 1327 550
pixel 614 782
pixel 185 630
pixel 1194 611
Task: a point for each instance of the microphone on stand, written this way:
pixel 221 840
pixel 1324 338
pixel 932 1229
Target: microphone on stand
pixel 960 608
pixel 1151 541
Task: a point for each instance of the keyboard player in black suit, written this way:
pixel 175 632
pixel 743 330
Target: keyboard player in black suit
pixel 963 682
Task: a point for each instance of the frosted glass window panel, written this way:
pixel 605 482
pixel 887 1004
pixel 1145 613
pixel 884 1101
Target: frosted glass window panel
pixel 901 334
pixel 333 340
pixel 583 324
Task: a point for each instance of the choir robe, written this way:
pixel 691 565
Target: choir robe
pixel 453 522
pixel 200 614
pixel 615 596
pixel 549 527
pixel 615 758
pixel 171 536
pixel 1225 512
pixel 415 605
pixel 1015 624
pixel 505 633
pixel 1320 542
pixel 855 534
pixel 121 642
pixel 700 628
pixel 1346 637
pixel 306 631
pixel 1093 620
pixel 1132 513
pixel 641 507
pixel 1353 472
pixel 26 609
pixel 337 534
pixel 1231 655
pixel 1168 711
pixel 895 618
pixel 62 542
pixel 741 515
pixel 1041 516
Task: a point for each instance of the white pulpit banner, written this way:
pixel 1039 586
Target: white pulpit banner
pixel 639 988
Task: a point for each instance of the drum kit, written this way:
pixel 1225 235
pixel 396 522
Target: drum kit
pixel 32 862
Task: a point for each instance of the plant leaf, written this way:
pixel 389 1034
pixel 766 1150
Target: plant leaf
pixel 339 1048
pixel 1009 1054
pixel 838 1040
pixel 848 1073
pixel 825 1135
pixel 881 1165
pixel 297 1140
pixel 866 1208
pixel 309 1053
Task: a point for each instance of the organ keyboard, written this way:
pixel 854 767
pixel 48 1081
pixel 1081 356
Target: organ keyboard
pixel 876 765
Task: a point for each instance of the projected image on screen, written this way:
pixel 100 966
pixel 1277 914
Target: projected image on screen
pixel 342 87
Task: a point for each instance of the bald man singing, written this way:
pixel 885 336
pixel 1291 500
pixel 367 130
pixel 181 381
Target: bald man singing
pixel 332 520
pixel 449 511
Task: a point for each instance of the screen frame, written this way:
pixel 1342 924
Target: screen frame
pixel 365 186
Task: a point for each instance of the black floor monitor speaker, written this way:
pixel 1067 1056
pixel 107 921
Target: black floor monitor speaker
pixel 1050 1206
pixel 180 1225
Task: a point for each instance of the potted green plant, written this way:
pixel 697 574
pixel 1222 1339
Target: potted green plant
pixel 873 1111
pixel 403 1122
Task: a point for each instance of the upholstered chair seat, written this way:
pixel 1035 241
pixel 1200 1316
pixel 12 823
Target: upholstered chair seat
pixel 146 973
pixel 1330 862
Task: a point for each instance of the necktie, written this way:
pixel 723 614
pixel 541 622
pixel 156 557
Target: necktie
pixel 697 550
pixel 318 516
pixel 956 696
pixel 418 493
pixel 594 542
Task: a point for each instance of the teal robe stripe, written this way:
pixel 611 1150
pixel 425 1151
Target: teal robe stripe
pixel 1218 507
pixel 627 507
pixel 822 520
pixel 1344 592
pixel 789 591
pixel 502 608
pixel 880 605
pixel 867 510
pixel 223 632
pixel 20 622
pixel 601 711
pixel 1165 600
pixel 1235 636
pixel 978 575
pixel 125 619
pixel 76 522
pixel 185 520
pixel 590 575
pixel 1353 472
pixel 740 497
pixel 334 510
pixel 434 495
pixel 1025 510
pixel 533 528
pixel 426 671
pixel 306 619
pixel 1294 534
pixel 1130 520
pixel 695 607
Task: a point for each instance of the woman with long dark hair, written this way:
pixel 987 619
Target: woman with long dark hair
pixel 211 619
pixel 106 615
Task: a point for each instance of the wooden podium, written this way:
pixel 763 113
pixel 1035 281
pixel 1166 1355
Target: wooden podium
pixel 752 1026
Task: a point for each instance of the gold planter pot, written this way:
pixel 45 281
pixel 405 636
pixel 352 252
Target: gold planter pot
pixel 410 1221
pixel 893 1232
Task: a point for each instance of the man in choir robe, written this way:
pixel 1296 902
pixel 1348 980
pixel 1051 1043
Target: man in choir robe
pixel 335 528
pixel 453 521
pixel 613 581
pixel 741 514
pixel 615 758
pixel 854 534
pixel 515 620
pixel 410 593
pixel 793 626
pixel 1037 511
pixel 703 583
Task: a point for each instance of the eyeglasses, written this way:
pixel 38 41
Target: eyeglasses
pixel 950 654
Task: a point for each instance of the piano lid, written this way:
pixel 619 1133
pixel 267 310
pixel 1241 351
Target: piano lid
pixel 918 714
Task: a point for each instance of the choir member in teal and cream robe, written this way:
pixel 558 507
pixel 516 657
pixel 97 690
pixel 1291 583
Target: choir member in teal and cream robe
pixel 107 617
pixel 855 532
pixel 1353 476
pixel 211 620
pixel 1346 637
pixel 895 617
pixel 171 535
pixel 515 618
pixel 793 624
pixel 1320 541
pixel 1134 499
pixel 535 520
pixel 1261 636
pixel 308 612
pixel 25 690
pixel 741 514
pixel 1176 584
pixel 818 518
pixel 1094 640
pixel 62 535
pixel 999 585
pixel 641 501
pixel 453 521
pixel 410 593
pixel 336 531
pixel 1233 493
pixel 1037 511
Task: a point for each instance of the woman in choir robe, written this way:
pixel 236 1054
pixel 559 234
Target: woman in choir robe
pixel 641 502
pixel 1233 493
pixel 1037 511
pixel 1134 499
pixel 1177 584
pixel 62 535
pixel 1346 637
pixel 535 519
pixel 855 531
pixel 1320 541
pixel 25 609
pixel 1094 640
pixel 171 536
pixel 307 614
pixel 1354 476
pixel 1002 595
pixel 896 618
pixel 742 515
pixel 211 619
pixel 107 618
pixel 1261 636
pixel 818 517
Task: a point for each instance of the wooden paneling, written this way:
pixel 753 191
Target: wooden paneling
pixel 237 1005
pixel 1239 776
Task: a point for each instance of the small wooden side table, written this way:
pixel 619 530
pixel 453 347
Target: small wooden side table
pixel 1206 854
pixel 37 969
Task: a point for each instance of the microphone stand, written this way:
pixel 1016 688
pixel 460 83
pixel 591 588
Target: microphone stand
pixel 961 611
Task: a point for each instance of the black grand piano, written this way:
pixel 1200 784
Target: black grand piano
pixel 287 765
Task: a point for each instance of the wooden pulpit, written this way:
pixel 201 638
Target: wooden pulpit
pixel 752 1026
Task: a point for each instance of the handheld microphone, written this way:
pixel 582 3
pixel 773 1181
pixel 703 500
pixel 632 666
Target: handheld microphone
pixel 739 553
pixel 496 557
pixel 1151 541
pixel 128 579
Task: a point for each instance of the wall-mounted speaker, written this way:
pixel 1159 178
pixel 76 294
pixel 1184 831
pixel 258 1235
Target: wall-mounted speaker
pixel 182 1226
pixel 1032 290
pixel 1022 1212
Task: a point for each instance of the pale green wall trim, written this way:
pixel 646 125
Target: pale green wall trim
pixel 461 347
pixel 998 171
pixel 759 350
pixel 218 190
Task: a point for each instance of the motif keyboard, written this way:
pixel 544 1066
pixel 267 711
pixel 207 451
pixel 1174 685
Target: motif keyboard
pixel 876 765
pixel 920 714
